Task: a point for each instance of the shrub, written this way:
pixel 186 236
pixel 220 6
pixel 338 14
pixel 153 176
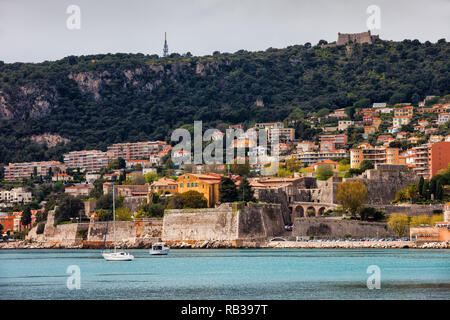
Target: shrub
pixel 370 213
pixel 40 228
pixel 324 172
pixel 420 220
pixel 399 224
pixel 83 232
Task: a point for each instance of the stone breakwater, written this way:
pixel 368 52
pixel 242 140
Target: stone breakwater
pixel 238 244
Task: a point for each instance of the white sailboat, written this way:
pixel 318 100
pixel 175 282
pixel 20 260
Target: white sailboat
pixel 116 255
pixel 159 248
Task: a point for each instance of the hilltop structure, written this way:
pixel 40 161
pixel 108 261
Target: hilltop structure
pixel 363 37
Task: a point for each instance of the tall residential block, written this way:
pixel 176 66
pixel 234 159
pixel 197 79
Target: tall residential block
pixel 135 150
pixel 18 171
pixel 86 160
pixel 427 159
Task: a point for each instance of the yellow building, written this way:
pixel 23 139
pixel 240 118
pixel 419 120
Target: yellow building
pixel 370 130
pixel 376 122
pixel 164 186
pixel 206 184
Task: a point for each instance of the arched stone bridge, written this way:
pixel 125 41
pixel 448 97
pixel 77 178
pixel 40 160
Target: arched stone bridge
pixel 309 209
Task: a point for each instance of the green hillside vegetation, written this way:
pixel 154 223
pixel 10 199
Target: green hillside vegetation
pixel 136 97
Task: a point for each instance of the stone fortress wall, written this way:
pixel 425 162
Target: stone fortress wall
pixel 228 222
pixel 362 37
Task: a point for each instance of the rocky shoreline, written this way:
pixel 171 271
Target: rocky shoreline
pixel 212 244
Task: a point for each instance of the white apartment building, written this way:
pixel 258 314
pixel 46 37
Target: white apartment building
pixel 344 124
pixel 16 195
pixel 400 121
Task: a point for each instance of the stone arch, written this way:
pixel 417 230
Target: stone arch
pixel 299 212
pixel 321 211
pixel 310 212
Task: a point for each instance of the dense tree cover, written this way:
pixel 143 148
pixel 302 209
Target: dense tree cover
pixel 426 191
pixel 187 200
pixel 68 207
pixel 151 210
pixel 143 97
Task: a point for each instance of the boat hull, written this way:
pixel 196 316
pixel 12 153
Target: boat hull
pixel 117 256
pixel 159 252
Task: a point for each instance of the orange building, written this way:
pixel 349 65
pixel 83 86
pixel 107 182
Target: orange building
pixel 438 157
pixel 14 222
pixel 407 111
pixel 377 155
pixel 206 184
pixel 7 222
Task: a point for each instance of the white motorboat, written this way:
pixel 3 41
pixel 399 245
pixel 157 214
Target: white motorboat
pixel 159 248
pixel 115 255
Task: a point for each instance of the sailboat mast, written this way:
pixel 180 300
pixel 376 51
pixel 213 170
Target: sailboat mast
pixel 114 217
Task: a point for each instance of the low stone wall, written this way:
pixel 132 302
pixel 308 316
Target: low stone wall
pixel 133 203
pixel 410 210
pixel 328 228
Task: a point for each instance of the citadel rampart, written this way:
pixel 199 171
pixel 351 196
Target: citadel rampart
pixel 229 222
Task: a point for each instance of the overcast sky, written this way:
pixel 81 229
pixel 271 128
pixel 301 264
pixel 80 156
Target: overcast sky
pixel 35 30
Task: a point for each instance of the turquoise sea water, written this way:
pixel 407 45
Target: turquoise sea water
pixel 227 274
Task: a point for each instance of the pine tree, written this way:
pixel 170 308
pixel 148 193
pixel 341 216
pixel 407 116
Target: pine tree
pixel 246 192
pixel 227 190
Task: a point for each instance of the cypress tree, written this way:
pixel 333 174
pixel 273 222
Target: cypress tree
pixel 246 192
pixel 26 216
pixel 421 184
pixel 227 190
pixel 439 191
pixel 433 187
pixel 424 191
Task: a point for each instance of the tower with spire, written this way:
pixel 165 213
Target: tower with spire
pixel 166 47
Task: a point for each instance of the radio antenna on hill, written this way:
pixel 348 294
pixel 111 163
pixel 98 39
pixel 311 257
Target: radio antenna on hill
pixel 166 47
